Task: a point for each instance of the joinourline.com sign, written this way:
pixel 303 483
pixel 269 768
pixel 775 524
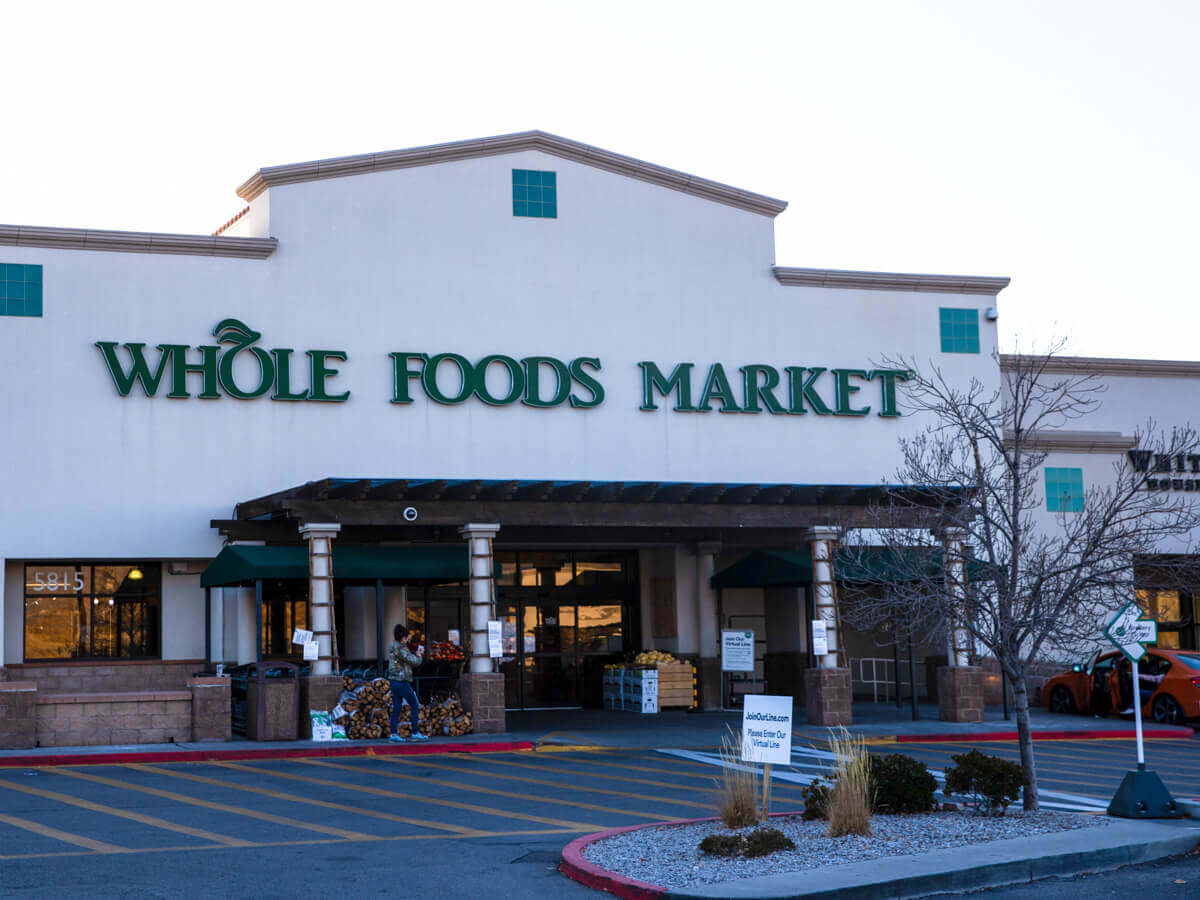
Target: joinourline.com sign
pixel 207 372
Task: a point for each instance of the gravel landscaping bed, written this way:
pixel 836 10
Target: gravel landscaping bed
pixel 669 856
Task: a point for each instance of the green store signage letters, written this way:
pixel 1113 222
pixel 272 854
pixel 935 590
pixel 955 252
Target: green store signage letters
pixel 451 378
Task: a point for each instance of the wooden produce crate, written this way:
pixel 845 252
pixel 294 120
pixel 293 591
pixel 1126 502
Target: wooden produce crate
pixel 675 684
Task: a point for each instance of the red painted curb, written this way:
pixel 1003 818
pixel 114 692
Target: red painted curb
pixel 1043 735
pixel 576 867
pixel 169 756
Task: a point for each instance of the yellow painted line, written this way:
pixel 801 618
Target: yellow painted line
pixel 153 821
pixel 298 798
pixel 496 792
pixel 557 785
pixel 569 748
pixel 220 807
pixel 305 843
pixel 414 798
pixel 714 772
pixel 64 836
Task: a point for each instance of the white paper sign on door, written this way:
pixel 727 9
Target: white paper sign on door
pixel 300 636
pixel 820 638
pixel 737 651
pixel 495 639
pixel 767 729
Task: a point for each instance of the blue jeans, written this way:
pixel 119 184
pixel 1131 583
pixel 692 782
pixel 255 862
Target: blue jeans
pixel 401 691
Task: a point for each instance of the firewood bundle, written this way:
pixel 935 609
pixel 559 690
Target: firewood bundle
pixel 444 717
pixel 364 708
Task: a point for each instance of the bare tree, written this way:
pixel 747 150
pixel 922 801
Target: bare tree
pixel 1039 585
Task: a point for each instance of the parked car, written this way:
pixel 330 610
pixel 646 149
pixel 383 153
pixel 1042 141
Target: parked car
pixel 1169 688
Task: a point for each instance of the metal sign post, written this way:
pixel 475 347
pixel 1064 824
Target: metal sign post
pixel 1142 795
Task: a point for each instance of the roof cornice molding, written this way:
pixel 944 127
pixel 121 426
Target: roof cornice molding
pixel 510 143
pixel 1099 365
pixel 890 281
pixel 136 242
pixel 1077 441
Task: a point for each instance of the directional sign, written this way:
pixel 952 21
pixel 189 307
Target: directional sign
pixel 1131 632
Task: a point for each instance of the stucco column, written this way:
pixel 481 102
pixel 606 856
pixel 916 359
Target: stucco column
pixel 958 638
pixel 320 590
pixel 821 539
pixel 708 626
pixel 479 544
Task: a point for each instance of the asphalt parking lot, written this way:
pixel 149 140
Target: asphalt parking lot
pixel 441 824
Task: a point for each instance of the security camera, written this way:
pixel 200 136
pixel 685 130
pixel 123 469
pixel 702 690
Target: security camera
pixel 410 514
pixel 991 314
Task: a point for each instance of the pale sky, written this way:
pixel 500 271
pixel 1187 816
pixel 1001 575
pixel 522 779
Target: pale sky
pixel 1053 142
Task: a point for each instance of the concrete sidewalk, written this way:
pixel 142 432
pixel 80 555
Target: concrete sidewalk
pixel 617 730
pixel 1013 861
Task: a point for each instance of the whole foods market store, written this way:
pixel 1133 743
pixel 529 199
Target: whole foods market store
pixel 579 574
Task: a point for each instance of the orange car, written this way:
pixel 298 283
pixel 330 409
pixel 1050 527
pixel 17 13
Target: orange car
pixel 1170 686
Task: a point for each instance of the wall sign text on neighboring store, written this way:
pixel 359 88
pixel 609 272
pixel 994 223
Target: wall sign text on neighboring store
pixel 235 367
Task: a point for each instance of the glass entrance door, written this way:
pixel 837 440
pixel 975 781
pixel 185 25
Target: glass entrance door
pixel 565 616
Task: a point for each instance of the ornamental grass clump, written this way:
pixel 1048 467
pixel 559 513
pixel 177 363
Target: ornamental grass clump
pixel 737 785
pixel 850 796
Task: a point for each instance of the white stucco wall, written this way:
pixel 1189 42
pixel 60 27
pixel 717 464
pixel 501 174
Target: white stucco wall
pixel 431 259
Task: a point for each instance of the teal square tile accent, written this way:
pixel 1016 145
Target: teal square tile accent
pixel 535 194
pixel 20 290
pixel 958 330
pixel 1064 489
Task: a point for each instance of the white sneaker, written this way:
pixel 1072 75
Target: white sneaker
pixel 395 739
pixel 419 737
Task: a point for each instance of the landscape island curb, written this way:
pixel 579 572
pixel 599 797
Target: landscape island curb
pixel 1128 843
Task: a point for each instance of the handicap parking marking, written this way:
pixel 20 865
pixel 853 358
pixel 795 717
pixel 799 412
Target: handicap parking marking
pixel 414 798
pixel 57 834
pixel 656 816
pixel 219 807
pixel 141 818
pixel 545 782
pixel 309 801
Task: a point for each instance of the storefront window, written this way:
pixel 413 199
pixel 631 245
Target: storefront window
pixel 85 611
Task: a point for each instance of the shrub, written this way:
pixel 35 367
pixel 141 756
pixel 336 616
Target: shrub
pixel 763 841
pixel 988 783
pixel 721 845
pixel 901 784
pixel 850 796
pixel 737 785
pixel 816 801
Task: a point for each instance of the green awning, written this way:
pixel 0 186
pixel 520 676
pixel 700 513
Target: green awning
pixel 783 568
pixel 767 568
pixel 239 564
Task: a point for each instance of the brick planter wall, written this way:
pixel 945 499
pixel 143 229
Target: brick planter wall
pixel 483 697
pixel 107 677
pixel 18 715
pixel 65 720
pixel 211 709
pixel 827 697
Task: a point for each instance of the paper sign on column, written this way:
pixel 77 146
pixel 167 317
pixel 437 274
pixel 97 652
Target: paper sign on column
pixel 820 638
pixel 300 636
pixel 311 652
pixel 737 651
pixel 767 729
pixel 495 639
pixel 453 637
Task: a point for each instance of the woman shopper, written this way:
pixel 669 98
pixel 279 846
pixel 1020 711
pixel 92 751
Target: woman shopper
pixel 400 663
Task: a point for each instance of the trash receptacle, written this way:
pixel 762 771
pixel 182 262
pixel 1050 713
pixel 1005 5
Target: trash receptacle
pixel 272 702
